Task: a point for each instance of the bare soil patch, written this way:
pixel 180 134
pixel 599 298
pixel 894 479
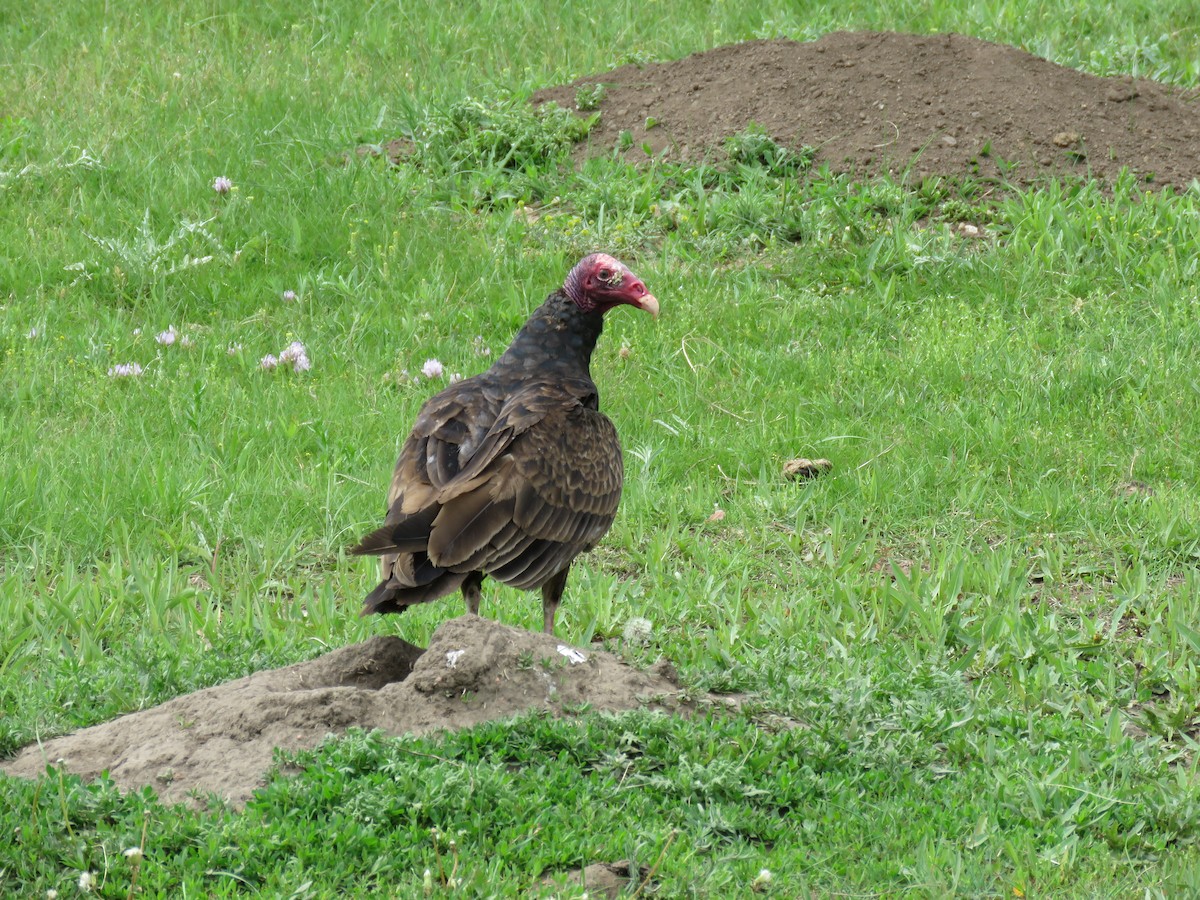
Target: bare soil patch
pixel 220 740
pixel 873 102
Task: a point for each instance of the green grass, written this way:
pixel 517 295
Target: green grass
pixel 972 644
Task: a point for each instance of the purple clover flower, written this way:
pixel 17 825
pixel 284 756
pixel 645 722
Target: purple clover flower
pixel 297 355
pixel 293 351
pixel 222 185
pixel 294 354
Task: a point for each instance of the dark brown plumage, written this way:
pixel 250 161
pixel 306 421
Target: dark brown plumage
pixel 514 472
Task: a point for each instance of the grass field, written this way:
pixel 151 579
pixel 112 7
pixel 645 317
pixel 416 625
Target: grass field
pixel 973 644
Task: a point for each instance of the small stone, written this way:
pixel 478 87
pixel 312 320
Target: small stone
pixel 949 140
pixel 1066 139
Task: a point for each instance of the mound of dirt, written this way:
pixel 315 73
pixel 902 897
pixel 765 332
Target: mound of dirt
pixel 871 102
pixel 220 739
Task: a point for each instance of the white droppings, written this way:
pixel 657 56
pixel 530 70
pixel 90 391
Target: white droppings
pixel 452 657
pixel 572 655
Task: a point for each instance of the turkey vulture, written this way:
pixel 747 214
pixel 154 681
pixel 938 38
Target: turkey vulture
pixel 514 472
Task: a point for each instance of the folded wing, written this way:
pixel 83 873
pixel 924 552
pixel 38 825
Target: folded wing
pixel 513 487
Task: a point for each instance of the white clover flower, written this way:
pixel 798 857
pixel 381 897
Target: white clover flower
pixel 186 341
pixel 134 854
pixel 301 363
pixel 455 377
pixel 432 369
pixel 233 349
pixel 86 881
pixel 268 362
pixel 222 185
pixel 136 332
pixel 289 296
pixel 763 881
pixel 125 370
pixel 168 337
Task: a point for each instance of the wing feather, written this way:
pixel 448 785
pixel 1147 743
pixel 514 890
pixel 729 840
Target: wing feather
pixel 513 486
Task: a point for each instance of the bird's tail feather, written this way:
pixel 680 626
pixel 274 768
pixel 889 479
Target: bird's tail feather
pixel 389 597
pixel 409 535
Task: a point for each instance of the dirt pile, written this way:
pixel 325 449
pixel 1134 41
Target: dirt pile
pixel 220 739
pixel 871 102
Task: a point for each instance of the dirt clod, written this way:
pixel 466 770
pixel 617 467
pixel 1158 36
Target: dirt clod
pixel 601 879
pixel 803 468
pixel 873 102
pixel 220 739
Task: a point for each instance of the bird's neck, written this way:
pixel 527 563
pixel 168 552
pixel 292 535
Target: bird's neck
pixel 559 336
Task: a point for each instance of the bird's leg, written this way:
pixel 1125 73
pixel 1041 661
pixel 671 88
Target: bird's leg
pixel 472 593
pixel 552 592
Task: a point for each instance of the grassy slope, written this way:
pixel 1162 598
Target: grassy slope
pixel 957 615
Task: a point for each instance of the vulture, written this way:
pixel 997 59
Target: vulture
pixel 514 472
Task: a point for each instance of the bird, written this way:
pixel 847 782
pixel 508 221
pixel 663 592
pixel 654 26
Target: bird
pixel 512 473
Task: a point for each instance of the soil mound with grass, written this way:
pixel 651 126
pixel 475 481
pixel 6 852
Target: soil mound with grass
pixel 881 102
pixel 220 740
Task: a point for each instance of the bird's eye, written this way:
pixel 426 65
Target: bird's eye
pixel 606 275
